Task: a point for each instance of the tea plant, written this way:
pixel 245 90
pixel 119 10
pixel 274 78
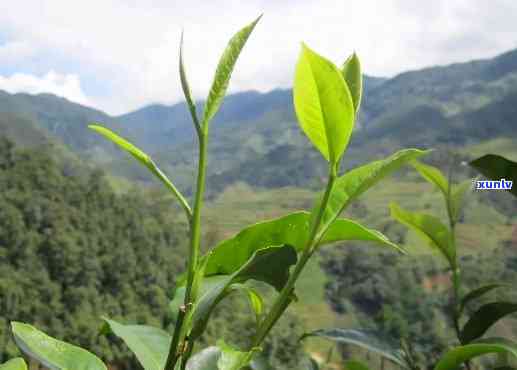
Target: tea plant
pixel 442 238
pixel 326 101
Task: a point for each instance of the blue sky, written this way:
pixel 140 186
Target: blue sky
pixel 120 55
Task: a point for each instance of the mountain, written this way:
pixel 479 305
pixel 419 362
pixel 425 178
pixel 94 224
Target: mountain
pixel 255 137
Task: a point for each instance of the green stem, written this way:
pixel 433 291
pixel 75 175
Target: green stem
pixel 195 238
pixel 286 294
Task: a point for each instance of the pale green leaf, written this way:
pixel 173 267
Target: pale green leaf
pixel 432 175
pixel 231 358
pixel 145 160
pixel 457 198
pixel 150 345
pixel 429 228
pixel 186 88
pixel 53 353
pixel 352 74
pixel 323 104
pixel 224 71
pixel 14 364
pixel 453 359
pixel 358 180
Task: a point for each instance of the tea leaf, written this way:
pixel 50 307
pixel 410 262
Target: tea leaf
pixel 496 167
pixel 352 74
pixel 457 356
pixel 355 365
pixel 369 340
pixel 458 193
pixel 477 293
pixel 14 364
pixel 231 358
pixel 150 345
pixel 486 316
pixel 323 104
pixel 270 265
pixel 432 175
pixel 429 228
pixel 206 359
pixel 293 229
pixel 186 88
pixel 145 160
pixel 53 353
pixel 355 182
pixel 224 71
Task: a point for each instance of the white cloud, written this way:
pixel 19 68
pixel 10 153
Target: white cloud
pixel 16 51
pixel 131 47
pixel 67 86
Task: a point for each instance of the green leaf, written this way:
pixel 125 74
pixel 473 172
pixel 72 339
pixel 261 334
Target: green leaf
pixel 145 160
pixel 186 88
pixel 477 293
pixel 369 340
pixel 224 71
pixel 14 364
pixel 352 74
pixel 355 182
pixel 150 345
pixel 458 355
pixel 232 359
pixel 429 227
pixel 224 357
pixel 486 316
pixel 458 193
pixel 355 365
pixel 206 359
pixel 53 353
pixel 254 298
pixel 313 364
pixel 496 167
pixel 270 265
pixel 323 104
pixel 293 229
pixel 432 175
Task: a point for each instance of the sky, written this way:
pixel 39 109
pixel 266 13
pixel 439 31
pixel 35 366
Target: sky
pixel 118 56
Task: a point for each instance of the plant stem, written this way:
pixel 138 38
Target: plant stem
pixel 195 237
pixel 286 294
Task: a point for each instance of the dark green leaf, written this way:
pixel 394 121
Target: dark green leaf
pixel 323 104
pixel 496 167
pixel 484 318
pixel 457 356
pixel 270 265
pixel 355 182
pixel 150 345
pixel 14 364
pixel 429 227
pixel 352 74
pixel 224 71
pixel 477 293
pixel 145 160
pixel 369 340
pixel 53 353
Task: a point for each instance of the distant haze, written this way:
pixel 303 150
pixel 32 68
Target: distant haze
pixel 120 55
